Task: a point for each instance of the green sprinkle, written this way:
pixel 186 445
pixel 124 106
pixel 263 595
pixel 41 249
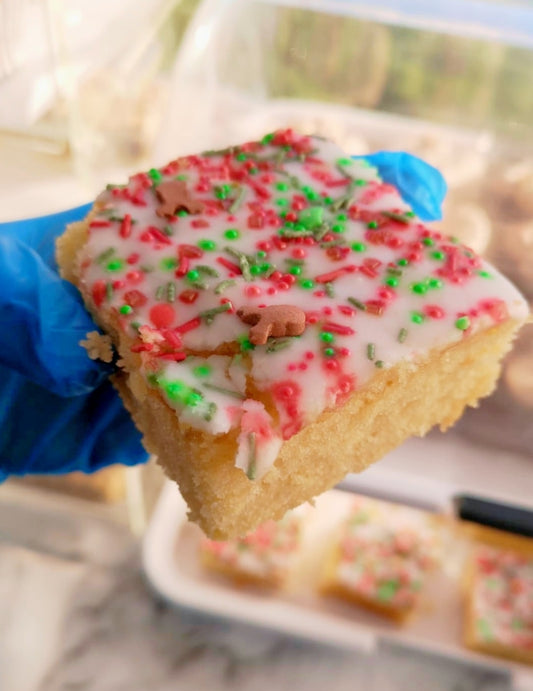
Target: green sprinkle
pixel 115 265
pixel 371 351
pixel 168 230
pixel 171 291
pixel 267 139
pixel 224 285
pixel 338 228
pixel 261 254
pixel 402 262
pixel 175 390
pixel 342 217
pixel 107 254
pixel 307 283
pixel 232 234
pixel 252 461
pixel 484 629
pixel 241 157
pixel 126 309
pixel 485 274
pixel 202 371
pixel 392 281
pixel 327 337
pixel 246 344
pixel 434 283
pixel 146 268
pixel 295 270
pixel 159 292
pixel 402 335
pixel 193 399
pixel 344 162
pixel 328 287
pixel 358 246
pixel 387 590
pixel 282 186
pixel 463 323
pixel 109 290
pixel 357 303
pixel 227 392
pixel 379 363
pixel 282 202
pixel 222 191
pixel 207 245
pixel 419 288
pixel 155 175
pixel 438 255
pixel 429 242
pixel 329 352
pixel 210 412
pixel 328 200
pixel 394 271
pixel 237 202
pixel 276 344
pixel 181 177
pixel 168 263
pixel 135 325
pixel 311 218
pixel 372 225
pixel 417 317
pixel 209 315
pixel 182 213
pixel 207 270
pixel 192 275
pixel 400 218
pixel 360 183
pixel 255 270
pixel 244 262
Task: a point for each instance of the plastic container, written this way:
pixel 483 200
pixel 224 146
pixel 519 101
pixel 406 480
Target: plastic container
pixel 450 82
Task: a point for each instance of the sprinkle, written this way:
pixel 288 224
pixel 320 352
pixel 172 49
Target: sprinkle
pixel 311 218
pixel 210 412
pixel 437 255
pixel 208 270
pixel 237 202
pixel 379 363
pixel 188 326
pixel 357 303
pixel 327 337
pixel 202 371
pixel 171 291
pixel 402 335
pixel 162 315
pixel 358 246
pixel 485 274
pixel 207 245
pixel 332 275
pixel 210 314
pixel 417 317
pixel 125 227
pixel 104 256
pixel 339 329
pixel 371 351
pixel 401 218
pixel 115 265
pixel 227 392
pixel 275 344
pixel 244 262
pixel 329 352
pixel 419 288
pixel 126 309
pixel 109 290
pixel 155 175
pixel 251 471
pixel 328 287
pixel 463 323
pixel 159 292
pixel 223 285
pixel 231 234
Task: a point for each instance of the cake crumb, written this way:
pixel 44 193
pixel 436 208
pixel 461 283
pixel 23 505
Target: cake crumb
pixel 98 346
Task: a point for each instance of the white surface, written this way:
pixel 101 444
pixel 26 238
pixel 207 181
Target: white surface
pixel 170 562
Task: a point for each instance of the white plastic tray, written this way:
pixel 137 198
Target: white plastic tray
pixel 171 564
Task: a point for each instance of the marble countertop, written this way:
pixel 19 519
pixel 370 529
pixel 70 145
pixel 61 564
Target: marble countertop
pixel 76 614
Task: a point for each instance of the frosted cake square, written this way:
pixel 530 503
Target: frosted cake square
pixel 282 318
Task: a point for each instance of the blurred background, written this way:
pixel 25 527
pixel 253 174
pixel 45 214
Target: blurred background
pixel 91 91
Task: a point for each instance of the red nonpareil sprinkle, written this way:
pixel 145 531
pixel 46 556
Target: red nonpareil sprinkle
pixel 433 311
pixel 118 284
pixel 135 298
pixel 233 268
pixel 135 277
pixel 337 253
pixel 182 268
pixel 348 311
pixel 133 258
pixel 253 291
pixel 256 221
pixel 333 275
pixel 338 329
pixel 99 223
pixel 496 309
pixel 99 291
pixel 125 227
pixel 162 315
pixel 200 223
pixel 188 296
pixel 188 326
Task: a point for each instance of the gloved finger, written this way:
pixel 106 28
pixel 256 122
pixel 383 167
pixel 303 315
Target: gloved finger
pixel 46 434
pixel 43 319
pixel 41 232
pixel 422 186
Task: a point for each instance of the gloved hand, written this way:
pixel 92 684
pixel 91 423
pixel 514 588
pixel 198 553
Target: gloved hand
pixel 58 412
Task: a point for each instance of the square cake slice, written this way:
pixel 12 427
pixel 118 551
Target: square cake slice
pixel 266 556
pixel 382 557
pixel 282 318
pixel 499 615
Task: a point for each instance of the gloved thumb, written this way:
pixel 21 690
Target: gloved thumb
pixel 43 319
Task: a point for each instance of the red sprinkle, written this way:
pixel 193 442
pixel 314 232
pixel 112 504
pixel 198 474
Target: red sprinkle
pixel 135 298
pixel 188 326
pixel 99 292
pixel 229 265
pixel 133 258
pixel 188 296
pixel 125 227
pixel 332 275
pixel 162 315
pixel 99 223
pixel 339 329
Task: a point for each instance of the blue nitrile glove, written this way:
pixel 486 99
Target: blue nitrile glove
pixel 58 411
pixel 421 185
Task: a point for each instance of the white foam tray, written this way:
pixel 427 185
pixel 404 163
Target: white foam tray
pixel 171 564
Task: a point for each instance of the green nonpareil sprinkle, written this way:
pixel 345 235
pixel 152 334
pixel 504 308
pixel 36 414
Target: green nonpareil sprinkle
pixel 371 351
pixel 224 285
pixel 155 175
pixel 402 335
pixel 171 291
pixel 244 262
pixel 208 270
pixel 105 255
pixel 276 344
pixel 159 293
pixel 237 202
pixel 328 287
pixel 462 323
pixel 168 230
pixel 252 460
pixel 126 309
pixel 210 314
pixel 357 303
pixel 379 363
pixel 227 392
